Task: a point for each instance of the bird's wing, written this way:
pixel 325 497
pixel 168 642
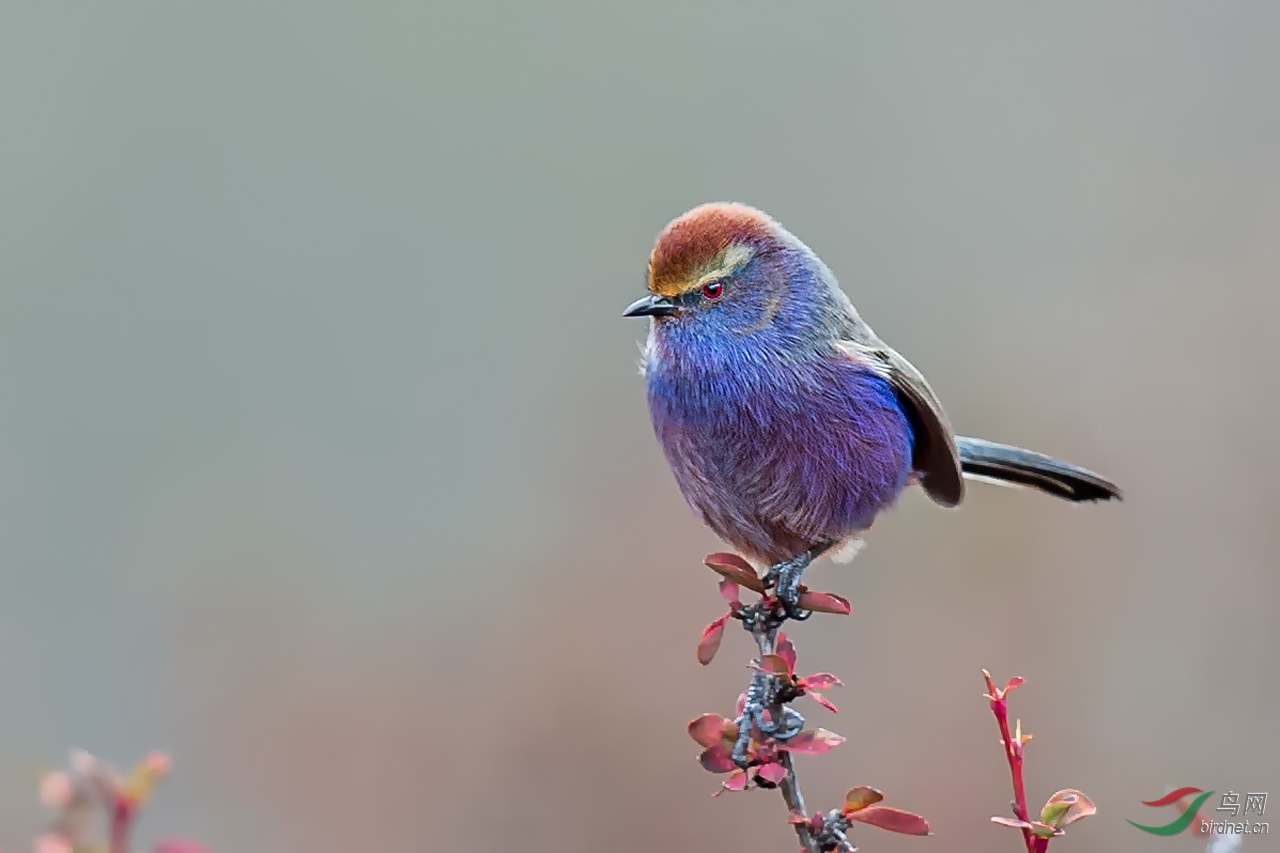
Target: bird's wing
pixel 934 456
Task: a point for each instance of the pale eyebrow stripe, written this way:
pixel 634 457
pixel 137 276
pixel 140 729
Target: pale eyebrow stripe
pixel 735 256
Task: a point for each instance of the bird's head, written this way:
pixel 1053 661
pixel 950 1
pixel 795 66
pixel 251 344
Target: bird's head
pixel 724 272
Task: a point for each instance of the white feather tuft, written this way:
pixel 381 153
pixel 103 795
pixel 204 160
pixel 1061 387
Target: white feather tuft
pixel 848 550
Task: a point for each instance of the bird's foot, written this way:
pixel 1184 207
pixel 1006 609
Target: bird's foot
pixel 763 712
pixel 785 577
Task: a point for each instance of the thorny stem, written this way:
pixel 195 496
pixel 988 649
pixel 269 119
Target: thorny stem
pixel 1013 751
pixel 764 630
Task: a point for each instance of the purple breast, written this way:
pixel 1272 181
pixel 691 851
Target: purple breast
pixel 779 456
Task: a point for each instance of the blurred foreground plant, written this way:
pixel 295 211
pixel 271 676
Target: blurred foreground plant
pixel 90 792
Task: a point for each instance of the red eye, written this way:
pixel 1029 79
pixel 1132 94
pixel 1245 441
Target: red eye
pixel 712 289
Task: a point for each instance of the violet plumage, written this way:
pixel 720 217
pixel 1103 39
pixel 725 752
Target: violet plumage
pixel 789 426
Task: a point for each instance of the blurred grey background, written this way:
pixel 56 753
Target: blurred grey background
pixel 325 464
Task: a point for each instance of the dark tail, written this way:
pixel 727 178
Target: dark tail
pixel 1013 465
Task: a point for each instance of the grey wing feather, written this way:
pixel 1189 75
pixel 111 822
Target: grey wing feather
pixel 934 457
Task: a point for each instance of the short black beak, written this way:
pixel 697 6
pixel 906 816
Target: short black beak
pixel 650 306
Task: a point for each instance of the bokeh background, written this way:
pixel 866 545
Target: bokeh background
pixel 324 459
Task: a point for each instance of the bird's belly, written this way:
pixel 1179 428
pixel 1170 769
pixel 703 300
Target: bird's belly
pixel 775 468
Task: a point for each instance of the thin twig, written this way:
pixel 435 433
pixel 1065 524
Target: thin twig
pixel 1013 751
pixel 764 630
pixel 794 799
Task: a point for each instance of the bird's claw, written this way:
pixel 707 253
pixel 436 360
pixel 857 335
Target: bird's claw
pixel 785 580
pixel 791 608
pixel 763 714
pixel 740 753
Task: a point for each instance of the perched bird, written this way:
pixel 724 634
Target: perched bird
pixel 788 424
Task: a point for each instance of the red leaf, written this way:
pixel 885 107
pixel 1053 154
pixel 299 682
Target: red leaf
pixel 820 681
pixel 710 729
pixel 728 560
pixel 716 759
pixel 995 694
pixel 813 742
pixel 1008 821
pixel 825 602
pixel 786 650
pixel 859 797
pixel 774 665
pixel 710 642
pixel 730 591
pixel 824 702
pixel 737 781
pixel 894 820
pixel 772 772
pixel 736 569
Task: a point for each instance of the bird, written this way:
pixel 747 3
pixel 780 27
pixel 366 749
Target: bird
pixel 788 424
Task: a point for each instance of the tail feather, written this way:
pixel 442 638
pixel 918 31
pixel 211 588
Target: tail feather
pixel 982 459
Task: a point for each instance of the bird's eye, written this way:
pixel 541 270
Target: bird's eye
pixel 713 289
